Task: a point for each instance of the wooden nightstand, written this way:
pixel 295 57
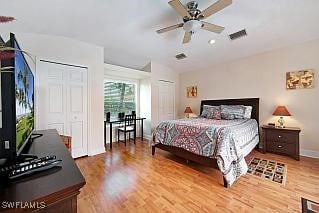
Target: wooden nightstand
pixel 283 141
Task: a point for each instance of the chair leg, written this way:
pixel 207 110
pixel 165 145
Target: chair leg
pixel 134 137
pixel 125 138
pixel 129 136
pixel 118 137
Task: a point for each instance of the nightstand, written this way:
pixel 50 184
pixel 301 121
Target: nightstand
pixel 283 141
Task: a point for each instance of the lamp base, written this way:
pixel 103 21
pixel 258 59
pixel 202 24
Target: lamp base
pixel 281 121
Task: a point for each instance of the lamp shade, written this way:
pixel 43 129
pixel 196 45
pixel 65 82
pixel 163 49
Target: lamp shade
pixel 281 111
pixel 188 110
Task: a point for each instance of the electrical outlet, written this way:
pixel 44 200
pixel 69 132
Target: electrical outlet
pixel 6 144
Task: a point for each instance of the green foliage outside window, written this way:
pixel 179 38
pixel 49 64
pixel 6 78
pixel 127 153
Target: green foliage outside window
pixel 119 97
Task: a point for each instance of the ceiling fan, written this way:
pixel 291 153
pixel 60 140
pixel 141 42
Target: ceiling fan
pixel 193 17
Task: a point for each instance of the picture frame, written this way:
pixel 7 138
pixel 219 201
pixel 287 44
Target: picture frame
pixel 303 79
pixel 191 91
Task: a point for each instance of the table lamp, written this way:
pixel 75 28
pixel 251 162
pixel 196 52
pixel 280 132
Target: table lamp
pixel 187 111
pixel 281 111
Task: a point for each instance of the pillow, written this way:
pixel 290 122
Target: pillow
pixel 231 112
pixel 205 111
pixel 248 110
pixel 211 112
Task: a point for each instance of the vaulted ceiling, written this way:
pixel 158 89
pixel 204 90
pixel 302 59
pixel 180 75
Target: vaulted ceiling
pixel 126 28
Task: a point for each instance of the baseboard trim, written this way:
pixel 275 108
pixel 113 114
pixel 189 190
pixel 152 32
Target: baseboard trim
pixel 97 151
pixel 148 137
pixel 309 153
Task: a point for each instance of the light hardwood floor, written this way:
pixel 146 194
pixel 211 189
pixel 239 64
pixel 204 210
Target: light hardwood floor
pixel 130 179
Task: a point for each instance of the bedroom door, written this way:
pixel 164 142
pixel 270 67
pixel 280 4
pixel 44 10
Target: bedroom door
pixel 62 102
pixel 166 100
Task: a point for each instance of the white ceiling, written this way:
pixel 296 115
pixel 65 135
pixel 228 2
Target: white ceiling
pixel 126 28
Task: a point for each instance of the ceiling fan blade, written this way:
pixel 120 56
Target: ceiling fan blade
pixel 187 37
pixel 214 8
pixel 166 29
pixel 179 8
pixel 212 27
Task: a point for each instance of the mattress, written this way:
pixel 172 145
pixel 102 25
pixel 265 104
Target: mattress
pixel 229 141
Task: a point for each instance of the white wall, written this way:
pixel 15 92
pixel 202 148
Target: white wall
pixel 65 50
pixel 146 101
pixel 264 76
pixel 146 104
pixel 161 72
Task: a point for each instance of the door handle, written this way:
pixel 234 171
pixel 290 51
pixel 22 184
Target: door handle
pixel 279 146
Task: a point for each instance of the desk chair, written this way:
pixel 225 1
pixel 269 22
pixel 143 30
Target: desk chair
pixel 129 126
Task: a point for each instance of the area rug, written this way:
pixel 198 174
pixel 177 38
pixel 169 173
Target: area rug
pixel 309 206
pixel 268 169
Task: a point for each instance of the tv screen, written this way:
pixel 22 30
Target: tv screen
pixel 24 99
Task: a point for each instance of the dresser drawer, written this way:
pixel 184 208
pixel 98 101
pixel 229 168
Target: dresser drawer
pixel 282 148
pixel 280 136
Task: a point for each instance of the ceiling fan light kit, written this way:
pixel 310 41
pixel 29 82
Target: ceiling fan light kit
pixel 192 17
pixel 192 26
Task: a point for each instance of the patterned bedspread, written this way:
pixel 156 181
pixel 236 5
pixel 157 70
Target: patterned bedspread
pixel 226 140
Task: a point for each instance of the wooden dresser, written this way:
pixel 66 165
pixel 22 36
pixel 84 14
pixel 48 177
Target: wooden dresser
pixel 56 189
pixel 283 141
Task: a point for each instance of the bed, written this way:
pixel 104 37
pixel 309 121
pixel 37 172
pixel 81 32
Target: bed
pixel 221 144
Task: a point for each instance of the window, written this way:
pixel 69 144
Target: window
pixel 119 97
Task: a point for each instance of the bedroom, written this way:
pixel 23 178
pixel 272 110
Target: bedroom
pixel 128 49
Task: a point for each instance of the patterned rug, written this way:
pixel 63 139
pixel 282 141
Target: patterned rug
pixel 268 169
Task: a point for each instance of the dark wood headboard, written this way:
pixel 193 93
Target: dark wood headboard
pixel 254 102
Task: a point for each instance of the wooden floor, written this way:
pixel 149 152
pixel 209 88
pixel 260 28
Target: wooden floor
pixel 129 179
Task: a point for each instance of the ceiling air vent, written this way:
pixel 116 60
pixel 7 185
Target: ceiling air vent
pixel 238 34
pixel 180 56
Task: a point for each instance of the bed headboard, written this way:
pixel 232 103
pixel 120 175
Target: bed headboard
pixel 254 102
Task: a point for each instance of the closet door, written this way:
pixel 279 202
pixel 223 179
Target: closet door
pixel 61 102
pixel 77 110
pixel 166 100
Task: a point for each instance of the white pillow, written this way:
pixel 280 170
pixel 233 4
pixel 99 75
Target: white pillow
pixel 248 110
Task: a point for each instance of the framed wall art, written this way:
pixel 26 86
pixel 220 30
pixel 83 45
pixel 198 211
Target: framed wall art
pixel 191 92
pixel 303 79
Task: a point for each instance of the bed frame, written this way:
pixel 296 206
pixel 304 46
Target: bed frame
pixel 206 161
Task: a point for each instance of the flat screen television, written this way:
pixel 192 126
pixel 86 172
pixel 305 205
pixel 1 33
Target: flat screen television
pixel 24 99
pixel 1 43
pixel 17 104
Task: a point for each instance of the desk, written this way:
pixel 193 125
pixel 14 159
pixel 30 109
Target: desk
pixel 117 121
pixel 57 188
